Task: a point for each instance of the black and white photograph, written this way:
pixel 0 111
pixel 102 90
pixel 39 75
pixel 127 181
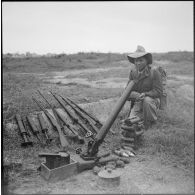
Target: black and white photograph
pixel 97 97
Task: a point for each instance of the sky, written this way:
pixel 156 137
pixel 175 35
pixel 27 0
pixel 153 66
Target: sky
pixel 116 26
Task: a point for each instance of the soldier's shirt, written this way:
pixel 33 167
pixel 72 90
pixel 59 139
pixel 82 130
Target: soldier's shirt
pixel 151 85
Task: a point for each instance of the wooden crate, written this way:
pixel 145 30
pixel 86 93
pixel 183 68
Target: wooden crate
pixel 59 173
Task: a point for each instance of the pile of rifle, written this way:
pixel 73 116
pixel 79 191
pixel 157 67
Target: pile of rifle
pixel 83 125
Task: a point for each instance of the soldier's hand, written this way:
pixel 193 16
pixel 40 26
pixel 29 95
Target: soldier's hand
pixel 140 97
pixel 134 95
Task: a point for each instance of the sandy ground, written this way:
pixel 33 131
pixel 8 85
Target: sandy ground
pixel 144 174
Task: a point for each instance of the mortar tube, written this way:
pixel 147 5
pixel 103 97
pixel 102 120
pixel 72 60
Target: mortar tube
pixel 107 125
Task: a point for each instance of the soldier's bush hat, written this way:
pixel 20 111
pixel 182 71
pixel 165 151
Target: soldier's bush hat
pixel 140 52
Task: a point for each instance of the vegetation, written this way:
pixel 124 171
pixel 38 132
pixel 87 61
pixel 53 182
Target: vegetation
pixel 83 60
pixel 172 138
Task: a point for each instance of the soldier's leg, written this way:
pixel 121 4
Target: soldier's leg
pixel 150 107
pixel 133 128
pixel 137 110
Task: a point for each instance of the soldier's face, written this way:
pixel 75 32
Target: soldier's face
pixel 140 63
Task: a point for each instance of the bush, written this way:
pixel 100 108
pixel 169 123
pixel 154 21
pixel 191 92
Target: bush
pixel 175 56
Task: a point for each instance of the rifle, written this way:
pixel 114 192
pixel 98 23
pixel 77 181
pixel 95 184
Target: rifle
pixel 80 114
pixel 70 127
pixel 23 131
pixel 63 140
pixel 44 127
pixel 74 119
pixel 54 112
pixel 63 119
pixel 33 127
pixel 97 122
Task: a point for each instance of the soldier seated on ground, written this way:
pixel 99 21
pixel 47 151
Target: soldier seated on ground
pixel 145 95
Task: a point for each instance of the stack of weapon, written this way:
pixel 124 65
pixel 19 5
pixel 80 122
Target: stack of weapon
pixel 131 130
pixel 83 125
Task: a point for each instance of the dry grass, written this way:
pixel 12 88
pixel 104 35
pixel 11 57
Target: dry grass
pixel 17 90
pixel 172 138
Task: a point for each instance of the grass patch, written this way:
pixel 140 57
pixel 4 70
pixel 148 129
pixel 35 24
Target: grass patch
pixel 83 60
pixel 172 138
pixel 179 68
pixel 116 73
pixel 17 93
pixel 172 144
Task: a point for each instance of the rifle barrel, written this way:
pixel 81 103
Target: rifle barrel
pixel 85 112
pixel 57 118
pixel 39 105
pixel 54 112
pixel 88 132
pixel 63 141
pixel 52 107
pixel 67 111
pixel 44 98
pixel 69 126
pixel 78 112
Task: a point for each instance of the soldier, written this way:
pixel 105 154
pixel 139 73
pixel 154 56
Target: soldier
pixel 146 93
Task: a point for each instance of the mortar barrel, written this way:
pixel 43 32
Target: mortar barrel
pixel 107 125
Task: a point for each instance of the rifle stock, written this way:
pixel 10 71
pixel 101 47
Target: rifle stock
pixel 44 127
pixel 56 114
pixel 74 119
pixel 33 128
pixel 63 140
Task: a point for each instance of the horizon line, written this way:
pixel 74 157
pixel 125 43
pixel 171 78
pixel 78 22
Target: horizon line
pixel 109 52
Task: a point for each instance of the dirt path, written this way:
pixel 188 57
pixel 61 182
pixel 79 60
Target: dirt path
pixel 109 82
pixel 142 175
